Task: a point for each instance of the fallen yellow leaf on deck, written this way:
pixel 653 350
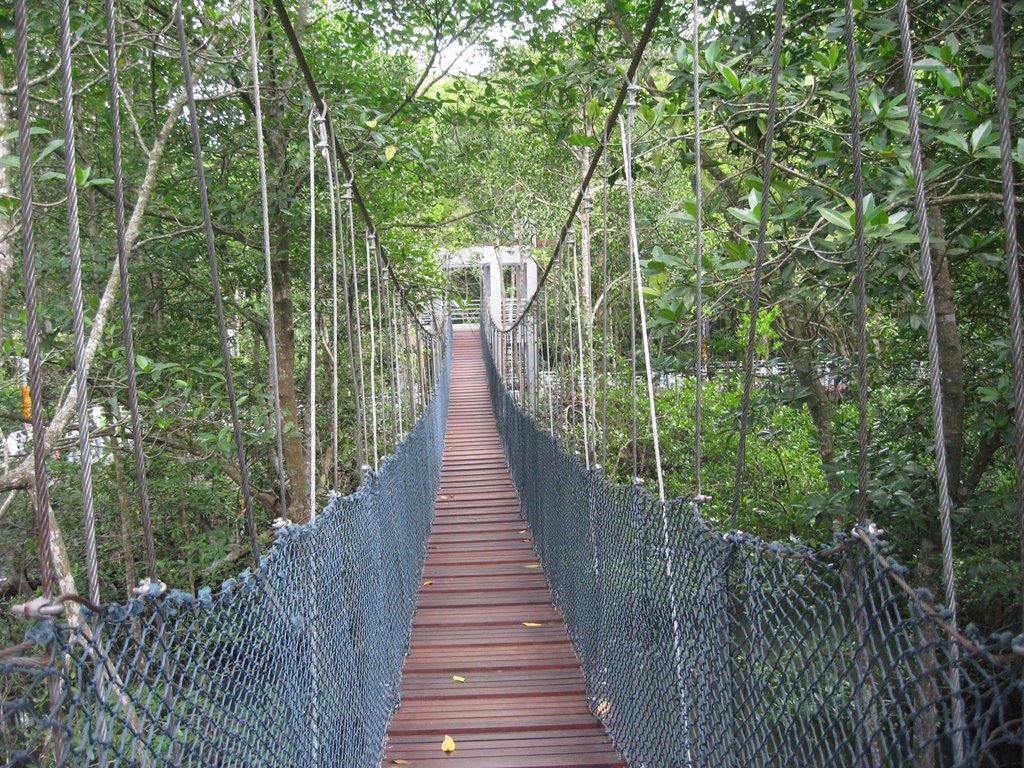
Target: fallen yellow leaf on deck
pixel 532 565
pixel 399 762
pixel 532 624
pixel 458 678
pixel 448 745
pixel 522 531
pixel 427 583
pixel 603 708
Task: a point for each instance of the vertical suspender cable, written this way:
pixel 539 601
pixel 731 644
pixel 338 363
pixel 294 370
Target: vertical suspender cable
pixel 332 193
pixel 126 302
pixel 583 362
pixel 387 345
pixel 373 344
pixel 550 362
pixel 218 301
pixel 41 500
pixel 698 257
pixel 626 127
pixel 762 246
pixel 345 193
pixel 275 387
pixel 861 275
pixel 934 364
pixel 395 354
pixel 314 115
pixel 866 706
pixel 77 300
pixel 357 302
pixel 1012 255
pixel 604 306
pixel 634 426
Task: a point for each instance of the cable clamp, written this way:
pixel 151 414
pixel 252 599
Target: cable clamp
pixel 701 498
pixel 871 529
pixel 281 522
pixel 38 608
pixel 149 588
pixel 631 89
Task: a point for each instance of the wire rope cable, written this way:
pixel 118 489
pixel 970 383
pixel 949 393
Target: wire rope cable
pixel 578 306
pixel 117 162
pixel 626 129
pixel 1012 254
pixel 268 265
pixel 77 299
pixel 41 494
pixel 934 365
pixel 698 261
pixel 373 346
pixel 857 157
pixel 218 301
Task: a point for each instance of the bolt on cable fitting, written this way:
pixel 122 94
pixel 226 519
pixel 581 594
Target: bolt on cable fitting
pixel 631 89
pixel 149 588
pixel 38 608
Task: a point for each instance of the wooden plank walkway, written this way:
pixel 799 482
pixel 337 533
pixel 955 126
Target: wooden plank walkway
pixel 485 615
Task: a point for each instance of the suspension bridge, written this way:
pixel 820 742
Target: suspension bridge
pixel 486 596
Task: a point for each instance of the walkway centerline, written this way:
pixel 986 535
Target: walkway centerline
pixel 490 663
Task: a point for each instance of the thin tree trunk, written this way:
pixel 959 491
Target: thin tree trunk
pixel 124 507
pixel 797 340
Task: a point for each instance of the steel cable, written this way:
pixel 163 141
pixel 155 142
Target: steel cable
pixel 861 258
pixel 41 494
pixel 613 115
pixel 942 479
pixel 218 301
pixel 77 299
pixel 114 95
pixel 698 258
pixel 626 127
pixel 268 266
pixel 1012 255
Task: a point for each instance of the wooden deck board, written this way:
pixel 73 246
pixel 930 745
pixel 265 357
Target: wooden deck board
pixel 523 703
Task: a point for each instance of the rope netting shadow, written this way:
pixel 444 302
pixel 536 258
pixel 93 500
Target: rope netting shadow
pixel 294 663
pixel 709 649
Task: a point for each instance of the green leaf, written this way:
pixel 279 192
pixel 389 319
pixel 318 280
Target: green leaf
pixel 954 139
pixel 50 148
pixel 929 65
pixel 712 52
pixel 835 218
pixel 745 215
pixel 730 76
pixel 979 134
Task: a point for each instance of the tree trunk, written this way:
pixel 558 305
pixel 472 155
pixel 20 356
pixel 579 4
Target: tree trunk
pixel 797 339
pixel 274 106
pixel 951 361
pixel 124 508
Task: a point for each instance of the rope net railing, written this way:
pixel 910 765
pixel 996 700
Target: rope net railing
pixel 704 649
pixel 294 663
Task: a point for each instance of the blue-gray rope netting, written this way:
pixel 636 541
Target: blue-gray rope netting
pixel 707 650
pixel 297 664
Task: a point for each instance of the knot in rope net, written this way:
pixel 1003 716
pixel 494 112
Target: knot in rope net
pixel 704 649
pixel 296 663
